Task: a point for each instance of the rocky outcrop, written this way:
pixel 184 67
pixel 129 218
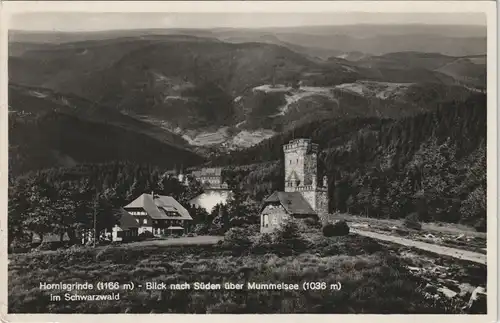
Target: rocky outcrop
pixel 477 302
pixel 443 280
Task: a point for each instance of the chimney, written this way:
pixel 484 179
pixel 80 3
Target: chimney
pixel 325 181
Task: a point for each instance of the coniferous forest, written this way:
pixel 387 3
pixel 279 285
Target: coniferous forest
pixel 432 163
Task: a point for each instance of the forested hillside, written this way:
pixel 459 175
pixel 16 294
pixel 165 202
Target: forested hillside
pixel 432 163
pixel 62 200
pixel 401 130
pixel 49 130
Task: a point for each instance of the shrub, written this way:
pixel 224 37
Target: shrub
pixel 288 231
pixel 412 222
pixel 263 244
pixel 339 228
pixel 288 237
pixel 217 231
pixel 201 229
pixel 237 238
pixel 480 225
pixel 52 245
pixel 312 223
pixel 19 246
pixel 146 235
pixel 252 228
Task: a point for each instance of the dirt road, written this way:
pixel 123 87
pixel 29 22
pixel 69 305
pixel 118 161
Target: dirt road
pixel 181 241
pixel 441 250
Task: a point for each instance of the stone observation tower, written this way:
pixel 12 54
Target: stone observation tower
pixel 301 174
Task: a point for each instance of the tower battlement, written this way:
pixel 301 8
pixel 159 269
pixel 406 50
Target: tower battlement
pixel 301 144
pixel 301 173
pixel 305 188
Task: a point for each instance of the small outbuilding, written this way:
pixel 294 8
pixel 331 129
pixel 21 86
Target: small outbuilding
pixel 127 228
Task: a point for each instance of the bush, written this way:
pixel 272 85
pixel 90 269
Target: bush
pixel 252 228
pixel 18 246
pixel 480 225
pixel 263 244
pixel 52 245
pixel 216 231
pixel 412 222
pixel 288 231
pixel 237 238
pixel 201 229
pixel 312 223
pixel 339 228
pixel 146 235
pixel 288 237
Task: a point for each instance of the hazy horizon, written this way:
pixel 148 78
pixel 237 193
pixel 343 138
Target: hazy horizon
pixel 96 22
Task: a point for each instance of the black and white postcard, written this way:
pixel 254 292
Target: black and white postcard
pixel 332 158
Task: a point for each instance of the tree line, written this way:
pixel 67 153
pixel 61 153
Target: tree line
pixel 68 201
pixel 433 163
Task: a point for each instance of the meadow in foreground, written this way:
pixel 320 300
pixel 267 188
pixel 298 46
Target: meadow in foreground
pixel 372 280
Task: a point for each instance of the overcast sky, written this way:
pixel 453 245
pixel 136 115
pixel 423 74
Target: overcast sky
pixel 107 21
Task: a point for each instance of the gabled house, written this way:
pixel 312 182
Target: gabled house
pixel 281 206
pixel 159 214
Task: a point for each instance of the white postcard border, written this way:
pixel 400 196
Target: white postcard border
pixel 488 7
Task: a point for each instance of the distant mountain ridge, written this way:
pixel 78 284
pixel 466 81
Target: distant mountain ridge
pixel 212 91
pixel 454 40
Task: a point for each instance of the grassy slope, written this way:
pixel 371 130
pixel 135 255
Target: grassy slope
pixel 372 281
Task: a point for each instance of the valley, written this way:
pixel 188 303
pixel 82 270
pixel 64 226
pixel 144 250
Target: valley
pixel 215 96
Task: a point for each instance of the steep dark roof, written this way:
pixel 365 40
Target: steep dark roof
pixel 208 172
pixel 127 220
pixel 157 207
pixel 293 202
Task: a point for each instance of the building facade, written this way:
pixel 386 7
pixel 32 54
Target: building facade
pixel 160 215
pixel 305 195
pixel 210 177
pixel 127 228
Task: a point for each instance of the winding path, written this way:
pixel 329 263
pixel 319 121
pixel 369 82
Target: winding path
pixel 440 250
